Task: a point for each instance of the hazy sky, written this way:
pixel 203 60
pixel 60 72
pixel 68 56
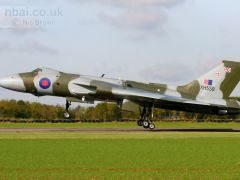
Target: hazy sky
pixel 172 41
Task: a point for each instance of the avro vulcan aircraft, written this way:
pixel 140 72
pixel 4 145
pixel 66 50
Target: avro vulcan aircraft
pixel 210 94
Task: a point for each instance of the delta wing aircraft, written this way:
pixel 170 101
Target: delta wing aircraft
pixel 210 94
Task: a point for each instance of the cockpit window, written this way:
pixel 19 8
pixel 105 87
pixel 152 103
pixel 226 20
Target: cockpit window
pixel 45 70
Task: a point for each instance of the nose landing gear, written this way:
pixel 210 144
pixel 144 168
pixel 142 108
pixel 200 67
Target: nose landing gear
pixel 66 114
pixel 146 118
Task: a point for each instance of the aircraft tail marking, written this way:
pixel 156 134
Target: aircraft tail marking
pixel 219 83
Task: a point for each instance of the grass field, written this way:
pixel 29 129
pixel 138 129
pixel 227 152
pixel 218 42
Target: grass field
pixel 119 155
pixel 121 125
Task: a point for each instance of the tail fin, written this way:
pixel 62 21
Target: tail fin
pixel 219 83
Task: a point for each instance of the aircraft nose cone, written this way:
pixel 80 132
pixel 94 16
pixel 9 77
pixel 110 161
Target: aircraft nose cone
pixel 13 82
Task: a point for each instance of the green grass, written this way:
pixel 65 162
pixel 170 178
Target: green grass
pixel 120 125
pixel 136 155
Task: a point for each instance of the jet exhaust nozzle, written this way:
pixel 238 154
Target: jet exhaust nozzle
pixel 222 112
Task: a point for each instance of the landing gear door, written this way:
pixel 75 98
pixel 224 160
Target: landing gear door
pixel 130 106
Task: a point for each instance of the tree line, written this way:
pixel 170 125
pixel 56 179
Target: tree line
pixel 21 110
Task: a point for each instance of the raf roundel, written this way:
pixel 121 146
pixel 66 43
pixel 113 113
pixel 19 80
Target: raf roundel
pixel 45 83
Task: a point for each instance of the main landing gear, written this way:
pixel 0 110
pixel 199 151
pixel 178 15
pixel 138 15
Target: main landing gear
pixel 66 114
pixel 146 118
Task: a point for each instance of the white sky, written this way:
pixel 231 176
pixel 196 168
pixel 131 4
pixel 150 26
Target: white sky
pixel 172 41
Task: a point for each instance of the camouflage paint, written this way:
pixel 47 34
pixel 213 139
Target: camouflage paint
pixel 231 80
pixel 210 93
pixel 189 91
pixel 60 87
pixel 28 79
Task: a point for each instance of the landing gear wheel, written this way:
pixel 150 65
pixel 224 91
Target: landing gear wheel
pixel 66 115
pixel 140 123
pixel 145 124
pixel 152 126
pixel 146 115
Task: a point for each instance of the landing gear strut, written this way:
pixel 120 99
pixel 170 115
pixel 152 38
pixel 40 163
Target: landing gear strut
pixel 146 117
pixel 66 114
